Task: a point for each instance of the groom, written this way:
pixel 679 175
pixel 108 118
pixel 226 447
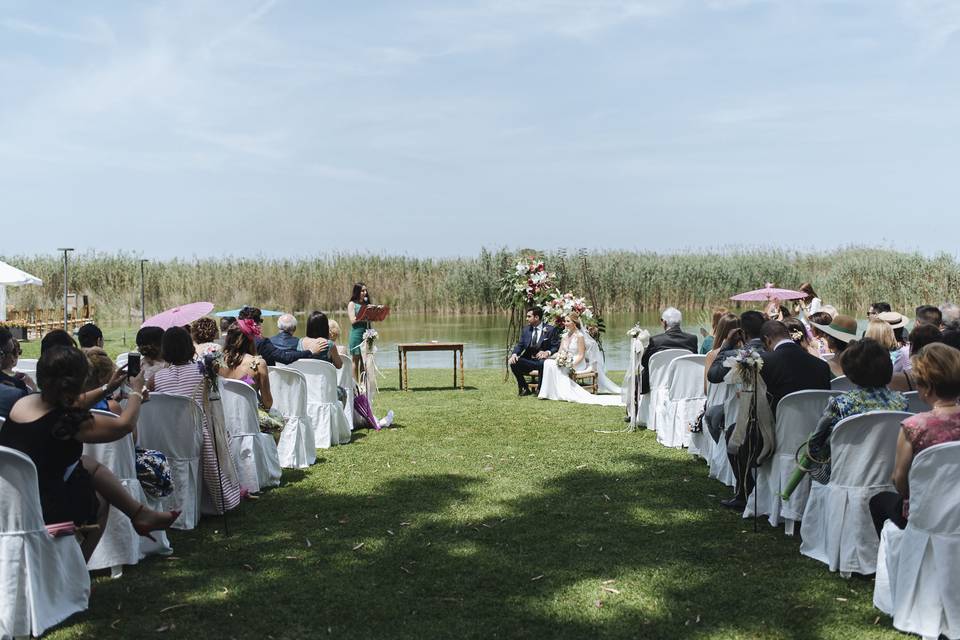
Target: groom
pixel 538 341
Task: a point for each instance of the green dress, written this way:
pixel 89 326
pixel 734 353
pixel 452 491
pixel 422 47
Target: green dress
pixel 356 331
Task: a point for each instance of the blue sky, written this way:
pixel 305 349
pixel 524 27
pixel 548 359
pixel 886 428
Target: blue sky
pixel 289 127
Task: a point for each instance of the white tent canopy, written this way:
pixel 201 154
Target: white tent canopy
pixel 12 277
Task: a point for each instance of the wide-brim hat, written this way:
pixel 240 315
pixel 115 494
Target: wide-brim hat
pixel 894 319
pixel 843 328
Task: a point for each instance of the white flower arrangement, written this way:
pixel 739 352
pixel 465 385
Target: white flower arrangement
pixel 370 336
pixel 747 364
pixel 529 281
pixel 561 305
pixel 635 331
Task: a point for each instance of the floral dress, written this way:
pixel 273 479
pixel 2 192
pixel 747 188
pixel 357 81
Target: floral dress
pixel 843 406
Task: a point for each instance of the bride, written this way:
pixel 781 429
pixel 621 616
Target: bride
pixel 578 352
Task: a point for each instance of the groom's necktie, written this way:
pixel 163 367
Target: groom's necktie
pixel 536 337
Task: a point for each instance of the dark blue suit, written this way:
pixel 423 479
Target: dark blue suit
pixel 527 348
pixel 273 354
pixel 284 340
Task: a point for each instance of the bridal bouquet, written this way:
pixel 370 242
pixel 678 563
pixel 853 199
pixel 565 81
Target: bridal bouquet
pixel 564 360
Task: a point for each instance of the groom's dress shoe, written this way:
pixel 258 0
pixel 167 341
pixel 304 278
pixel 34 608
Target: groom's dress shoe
pixel 525 392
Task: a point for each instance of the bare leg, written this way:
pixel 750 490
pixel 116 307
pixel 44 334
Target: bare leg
pixel 90 540
pixel 113 492
pixel 356 369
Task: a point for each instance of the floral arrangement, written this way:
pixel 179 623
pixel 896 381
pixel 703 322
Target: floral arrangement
pixel 370 336
pixel 561 305
pixel 635 331
pixel 746 364
pixel 529 282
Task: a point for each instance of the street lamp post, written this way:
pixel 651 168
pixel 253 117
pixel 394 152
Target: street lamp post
pixel 143 305
pixel 65 288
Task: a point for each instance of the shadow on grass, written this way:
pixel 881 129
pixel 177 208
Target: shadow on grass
pixel 641 554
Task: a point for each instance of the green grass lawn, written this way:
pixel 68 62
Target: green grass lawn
pixel 485 515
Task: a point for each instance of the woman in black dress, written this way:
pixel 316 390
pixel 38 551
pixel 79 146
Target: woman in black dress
pixel 50 429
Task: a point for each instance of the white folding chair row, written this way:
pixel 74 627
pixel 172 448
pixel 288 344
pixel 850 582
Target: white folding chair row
pixel 684 400
pixel 45 579
pixel 174 425
pixel 27 366
pixel 296 448
pixel 797 417
pixel 918 566
pixel 120 544
pixel 717 460
pixel 842 383
pixel 837 528
pixel 915 404
pixel 254 453
pixel 659 365
pixel 330 426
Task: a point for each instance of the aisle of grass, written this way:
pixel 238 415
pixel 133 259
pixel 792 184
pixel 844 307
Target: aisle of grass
pixel 484 515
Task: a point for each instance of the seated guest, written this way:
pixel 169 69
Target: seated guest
pixel 149 341
pixel 56 338
pixel 89 335
pixel 285 339
pixel 101 371
pixel 798 333
pixel 241 362
pixel 538 341
pixel 335 336
pixel 713 413
pixel 318 327
pixel 673 337
pixel 817 337
pixel 707 343
pixel 9 356
pixel 787 367
pixel 898 323
pixel 882 333
pixel 921 336
pixel 50 430
pixel 809 305
pixel 839 333
pixel 867 364
pixel 877 308
pixel 182 377
pixel 937 370
pixel 928 314
pixel 950 314
pixel 206 336
pixel 271 353
pixel 225 323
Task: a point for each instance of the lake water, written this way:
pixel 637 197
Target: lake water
pixel 484 337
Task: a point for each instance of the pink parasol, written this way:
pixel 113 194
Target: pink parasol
pixel 769 292
pixel 179 316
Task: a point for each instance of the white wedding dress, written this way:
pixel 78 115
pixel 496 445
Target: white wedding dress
pixel 555 384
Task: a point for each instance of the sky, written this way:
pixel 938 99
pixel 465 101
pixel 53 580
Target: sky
pixel 428 128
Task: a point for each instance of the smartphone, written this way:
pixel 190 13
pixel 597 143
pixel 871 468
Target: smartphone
pixel 133 365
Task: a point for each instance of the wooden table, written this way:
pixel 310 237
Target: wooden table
pixel 404 348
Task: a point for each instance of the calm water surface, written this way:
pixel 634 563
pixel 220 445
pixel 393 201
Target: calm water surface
pixel 484 337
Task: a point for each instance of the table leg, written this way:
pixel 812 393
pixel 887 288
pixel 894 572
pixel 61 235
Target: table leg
pixel 406 371
pixel 461 370
pixel 400 366
pixel 454 368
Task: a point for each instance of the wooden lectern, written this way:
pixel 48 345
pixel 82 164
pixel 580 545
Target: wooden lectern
pixel 373 313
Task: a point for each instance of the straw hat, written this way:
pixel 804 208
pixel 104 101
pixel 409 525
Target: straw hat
pixel 830 309
pixel 843 328
pixel 894 319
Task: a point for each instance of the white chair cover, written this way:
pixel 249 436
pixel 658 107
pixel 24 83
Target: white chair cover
pixel 659 365
pixel 918 567
pixel 631 380
pixel 289 390
pixel 915 404
pixel 684 401
pixel 330 426
pixel 842 383
pixel 122 359
pixel 119 544
pixel 174 425
pixel 43 580
pixel 717 459
pixel 254 452
pixel 797 417
pixel 347 382
pixel 837 528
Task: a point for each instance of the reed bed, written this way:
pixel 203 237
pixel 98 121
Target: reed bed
pixel 618 281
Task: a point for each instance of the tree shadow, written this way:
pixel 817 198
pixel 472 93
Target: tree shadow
pixel 586 554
